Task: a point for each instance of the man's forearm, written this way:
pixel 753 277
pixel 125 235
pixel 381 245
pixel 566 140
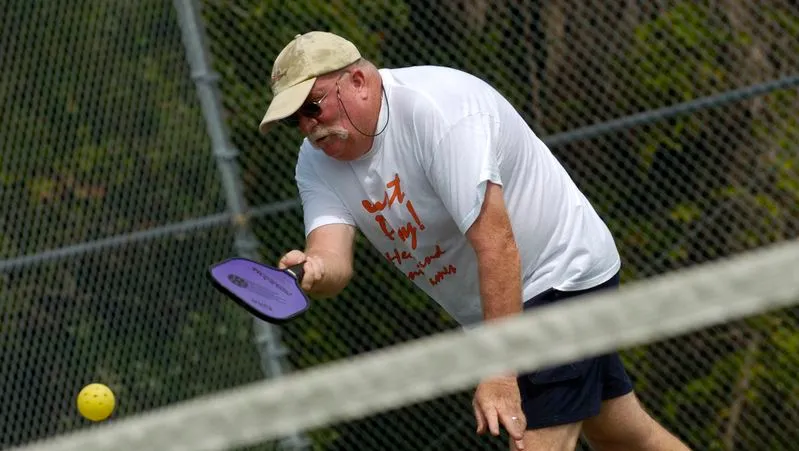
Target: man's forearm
pixel 337 273
pixel 500 285
pixel 500 281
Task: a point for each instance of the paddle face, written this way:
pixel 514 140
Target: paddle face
pixel 271 294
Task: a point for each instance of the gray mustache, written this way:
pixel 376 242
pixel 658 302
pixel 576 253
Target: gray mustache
pixel 321 133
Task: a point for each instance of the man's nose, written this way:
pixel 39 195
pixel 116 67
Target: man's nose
pixel 307 124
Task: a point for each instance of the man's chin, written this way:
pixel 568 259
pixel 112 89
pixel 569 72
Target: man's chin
pixel 329 148
pixel 333 146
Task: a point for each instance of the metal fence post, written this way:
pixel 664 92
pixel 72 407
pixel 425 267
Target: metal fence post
pixel 266 336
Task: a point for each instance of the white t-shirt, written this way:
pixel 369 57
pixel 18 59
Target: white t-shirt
pixel 420 188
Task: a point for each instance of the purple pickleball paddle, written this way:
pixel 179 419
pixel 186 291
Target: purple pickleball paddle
pixel 270 294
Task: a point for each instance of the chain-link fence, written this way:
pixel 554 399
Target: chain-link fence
pixel 110 213
pixel 676 118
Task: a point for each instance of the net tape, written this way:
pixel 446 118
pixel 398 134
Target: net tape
pixel 642 312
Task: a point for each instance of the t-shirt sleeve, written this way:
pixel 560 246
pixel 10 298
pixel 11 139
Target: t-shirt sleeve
pixel 461 164
pixel 320 204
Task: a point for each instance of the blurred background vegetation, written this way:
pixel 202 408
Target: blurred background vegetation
pixel 103 136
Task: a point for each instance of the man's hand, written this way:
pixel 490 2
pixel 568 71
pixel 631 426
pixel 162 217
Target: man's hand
pixel 497 401
pixel 314 267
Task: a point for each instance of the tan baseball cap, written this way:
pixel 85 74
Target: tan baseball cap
pixel 295 70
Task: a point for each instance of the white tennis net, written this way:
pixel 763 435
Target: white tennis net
pixel 643 312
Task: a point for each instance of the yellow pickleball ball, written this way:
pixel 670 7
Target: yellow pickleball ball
pixel 96 402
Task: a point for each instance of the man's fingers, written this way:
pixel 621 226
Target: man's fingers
pixel 492 418
pixel 479 419
pixel 313 267
pixel 497 404
pixel 515 424
pixel 291 258
pixel 312 274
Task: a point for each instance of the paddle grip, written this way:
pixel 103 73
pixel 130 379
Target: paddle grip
pixel 297 271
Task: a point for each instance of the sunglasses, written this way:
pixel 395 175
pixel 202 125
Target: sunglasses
pixel 310 109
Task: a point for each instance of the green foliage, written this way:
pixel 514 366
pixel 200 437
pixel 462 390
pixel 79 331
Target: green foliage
pixel 109 138
pixel 681 53
pixel 104 136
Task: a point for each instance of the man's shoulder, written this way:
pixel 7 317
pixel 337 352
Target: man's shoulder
pixel 436 94
pixel 423 69
pixel 429 77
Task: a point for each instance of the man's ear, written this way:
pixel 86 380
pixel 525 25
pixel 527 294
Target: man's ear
pixel 358 80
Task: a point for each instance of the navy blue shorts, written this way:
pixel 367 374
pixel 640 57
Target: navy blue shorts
pixel 572 392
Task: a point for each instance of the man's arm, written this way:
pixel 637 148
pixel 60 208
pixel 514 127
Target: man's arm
pixel 496 400
pixel 328 259
pixel 498 260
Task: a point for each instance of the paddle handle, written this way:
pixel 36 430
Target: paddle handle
pixel 297 271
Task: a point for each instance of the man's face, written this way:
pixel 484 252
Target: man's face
pixel 323 121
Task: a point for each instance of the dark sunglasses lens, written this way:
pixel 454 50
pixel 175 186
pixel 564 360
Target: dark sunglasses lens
pixel 311 110
pixel 292 121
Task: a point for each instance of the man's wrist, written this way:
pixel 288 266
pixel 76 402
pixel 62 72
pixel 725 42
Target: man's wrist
pixel 507 375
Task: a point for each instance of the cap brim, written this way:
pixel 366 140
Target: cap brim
pixel 286 103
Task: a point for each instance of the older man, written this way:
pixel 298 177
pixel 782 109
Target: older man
pixel 448 182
